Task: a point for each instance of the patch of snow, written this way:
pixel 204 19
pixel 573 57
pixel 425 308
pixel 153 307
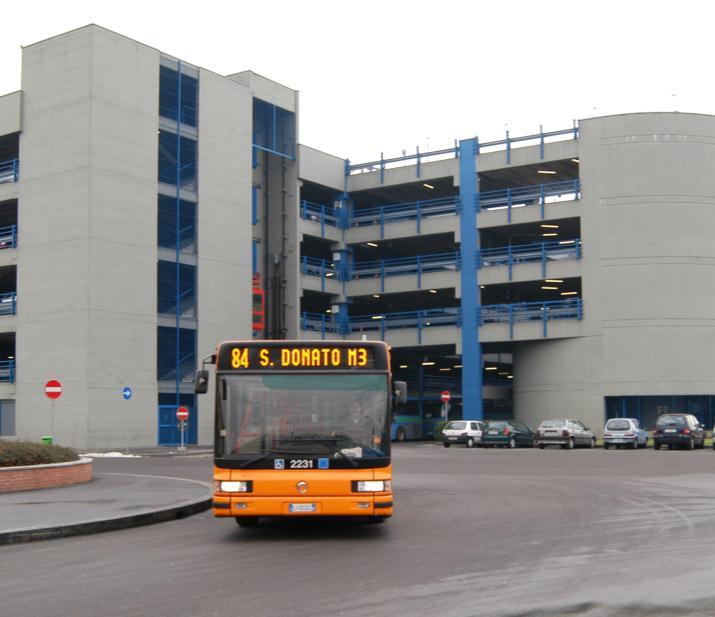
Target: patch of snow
pixel 109 455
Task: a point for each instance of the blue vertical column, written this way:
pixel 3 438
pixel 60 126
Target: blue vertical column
pixel 472 408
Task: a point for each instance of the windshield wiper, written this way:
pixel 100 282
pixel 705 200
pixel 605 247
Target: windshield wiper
pixel 328 441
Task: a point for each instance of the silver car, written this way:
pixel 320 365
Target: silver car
pixel 565 432
pixel 624 432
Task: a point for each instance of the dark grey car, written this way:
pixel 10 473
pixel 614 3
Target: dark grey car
pixel 565 432
pixel 678 429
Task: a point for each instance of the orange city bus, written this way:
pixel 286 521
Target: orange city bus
pixel 302 428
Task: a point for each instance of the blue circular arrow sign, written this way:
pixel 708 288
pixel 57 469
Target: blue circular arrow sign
pixel 127 393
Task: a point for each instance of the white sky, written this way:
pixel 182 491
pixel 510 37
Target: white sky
pixel 391 75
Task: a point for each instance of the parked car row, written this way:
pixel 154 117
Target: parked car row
pixel 673 429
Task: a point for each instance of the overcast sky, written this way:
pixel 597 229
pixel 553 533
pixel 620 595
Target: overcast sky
pixel 386 76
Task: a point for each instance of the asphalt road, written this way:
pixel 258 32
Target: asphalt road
pixel 476 532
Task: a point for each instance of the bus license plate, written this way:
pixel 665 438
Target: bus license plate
pixel 301 507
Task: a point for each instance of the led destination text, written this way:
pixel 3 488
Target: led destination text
pixel 253 358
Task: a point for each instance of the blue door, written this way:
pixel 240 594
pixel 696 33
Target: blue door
pixel 169 426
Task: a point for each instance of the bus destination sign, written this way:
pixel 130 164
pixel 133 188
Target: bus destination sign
pixel 236 357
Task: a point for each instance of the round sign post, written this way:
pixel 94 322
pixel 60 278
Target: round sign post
pixel 182 415
pixel 446 397
pixel 53 391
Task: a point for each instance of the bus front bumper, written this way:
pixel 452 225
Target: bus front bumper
pixel 353 505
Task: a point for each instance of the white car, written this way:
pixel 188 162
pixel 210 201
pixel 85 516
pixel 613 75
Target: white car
pixel 624 432
pixel 468 432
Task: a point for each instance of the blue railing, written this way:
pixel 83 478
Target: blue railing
pixel 543 252
pixel 9 171
pixel 319 322
pixel 317 213
pixel 401 266
pixel 8 303
pixel 312 266
pixel 539 194
pixel 540 138
pixel 451 316
pixel 8 237
pixel 503 199
pixel 407 319
pixel 7 371
pixel 412 211
pixel 530 311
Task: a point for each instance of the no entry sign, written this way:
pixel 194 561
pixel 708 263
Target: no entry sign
pixel 446 396
pixel 53 389
pixel 182 414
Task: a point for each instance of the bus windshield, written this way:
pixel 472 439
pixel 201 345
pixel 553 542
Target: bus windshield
pixel 325 415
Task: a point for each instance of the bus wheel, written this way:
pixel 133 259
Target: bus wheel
pixel 247 521
pixel 375 520
pixel 401 435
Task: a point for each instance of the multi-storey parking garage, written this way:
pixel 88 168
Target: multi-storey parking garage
pixel 582 292
pixel 563 273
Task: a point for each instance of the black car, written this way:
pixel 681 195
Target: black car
pixel 506 433
pixel 678 429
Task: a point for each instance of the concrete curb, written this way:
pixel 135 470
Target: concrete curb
pixel 177 511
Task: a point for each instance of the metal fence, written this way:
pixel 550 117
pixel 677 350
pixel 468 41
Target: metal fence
pixel 450 316
pixel 536 195
pixel 530 311
pixel 417 211
pixel 543 252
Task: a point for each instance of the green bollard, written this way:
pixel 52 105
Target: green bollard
pixel 47 439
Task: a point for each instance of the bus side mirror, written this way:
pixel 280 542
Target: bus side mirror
pixel 400 393
pixel 201 382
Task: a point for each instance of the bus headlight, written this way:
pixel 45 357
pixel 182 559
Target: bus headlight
pixel 373 486
pixel 233 487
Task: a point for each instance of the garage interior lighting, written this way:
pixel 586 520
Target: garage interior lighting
pixel 428 364
pixel 575 161
pixel 328 310
pixel 378 316
pixel 491 368
pixel 329 274
pixel 542 287
pixel 567 242
pixel 403 366
pixel 553 281
pixel 371 243
pixel 445 369
pixel 457 366
pixel 510 377
pixel 547 172
pixel 375 295
pixel 433 291
pixel 504 372
pixel 427 186
pixel 545 226
pixel 551 235
pixel 569 293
